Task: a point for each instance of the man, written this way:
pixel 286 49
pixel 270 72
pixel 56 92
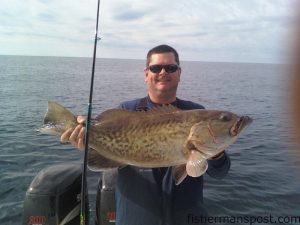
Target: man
pixel 150 196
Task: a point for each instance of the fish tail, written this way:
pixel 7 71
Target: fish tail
pixel 58 119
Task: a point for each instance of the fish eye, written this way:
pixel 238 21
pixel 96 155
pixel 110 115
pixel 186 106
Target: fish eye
pixel 225 117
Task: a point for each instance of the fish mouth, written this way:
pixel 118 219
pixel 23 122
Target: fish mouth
pixel 240 124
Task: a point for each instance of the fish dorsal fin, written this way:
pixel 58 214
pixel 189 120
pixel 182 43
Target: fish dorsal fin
pixel 113 114
pixel 164 109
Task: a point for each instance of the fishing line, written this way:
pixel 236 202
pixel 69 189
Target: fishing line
pixel 83 220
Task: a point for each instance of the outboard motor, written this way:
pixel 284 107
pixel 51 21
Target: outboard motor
pixel 106 203
pixel 53 197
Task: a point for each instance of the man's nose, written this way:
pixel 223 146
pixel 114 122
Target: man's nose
pixel 163 71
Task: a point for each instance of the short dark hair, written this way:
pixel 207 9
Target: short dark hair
pixel 162 49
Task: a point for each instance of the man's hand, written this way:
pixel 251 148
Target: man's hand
pixel 75 136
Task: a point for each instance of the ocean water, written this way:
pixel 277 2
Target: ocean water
pixel 264 178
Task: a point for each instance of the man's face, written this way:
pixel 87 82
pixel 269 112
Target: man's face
pixel 162 82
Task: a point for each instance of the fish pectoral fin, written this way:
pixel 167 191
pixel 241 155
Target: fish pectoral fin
pixel 196 164
pixel 97 162
pixel 179 173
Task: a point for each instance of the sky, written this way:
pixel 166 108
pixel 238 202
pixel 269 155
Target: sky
pixel 201 30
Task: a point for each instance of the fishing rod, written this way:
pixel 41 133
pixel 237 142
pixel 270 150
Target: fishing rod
pixel 83 220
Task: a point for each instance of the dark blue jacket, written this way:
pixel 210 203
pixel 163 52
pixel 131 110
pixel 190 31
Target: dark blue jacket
pixel 150 196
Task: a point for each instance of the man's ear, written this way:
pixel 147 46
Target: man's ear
pixel 179 74
pixel 145 74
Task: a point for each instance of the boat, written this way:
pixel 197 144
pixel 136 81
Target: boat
pixel 54 197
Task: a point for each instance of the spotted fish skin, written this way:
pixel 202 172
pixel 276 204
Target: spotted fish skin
pixel 161 137
pixel 143 138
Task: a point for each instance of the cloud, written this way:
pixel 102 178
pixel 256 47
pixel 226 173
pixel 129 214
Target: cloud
pixel 126 11
pixel 202 30
pixel 46 17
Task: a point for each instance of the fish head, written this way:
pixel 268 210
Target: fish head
pixel 212 133
pixel 216 131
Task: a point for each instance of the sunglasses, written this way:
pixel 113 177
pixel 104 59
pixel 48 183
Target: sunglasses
pixel 169 68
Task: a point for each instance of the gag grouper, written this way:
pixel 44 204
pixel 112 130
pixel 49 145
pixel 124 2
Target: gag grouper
pixel 161 137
